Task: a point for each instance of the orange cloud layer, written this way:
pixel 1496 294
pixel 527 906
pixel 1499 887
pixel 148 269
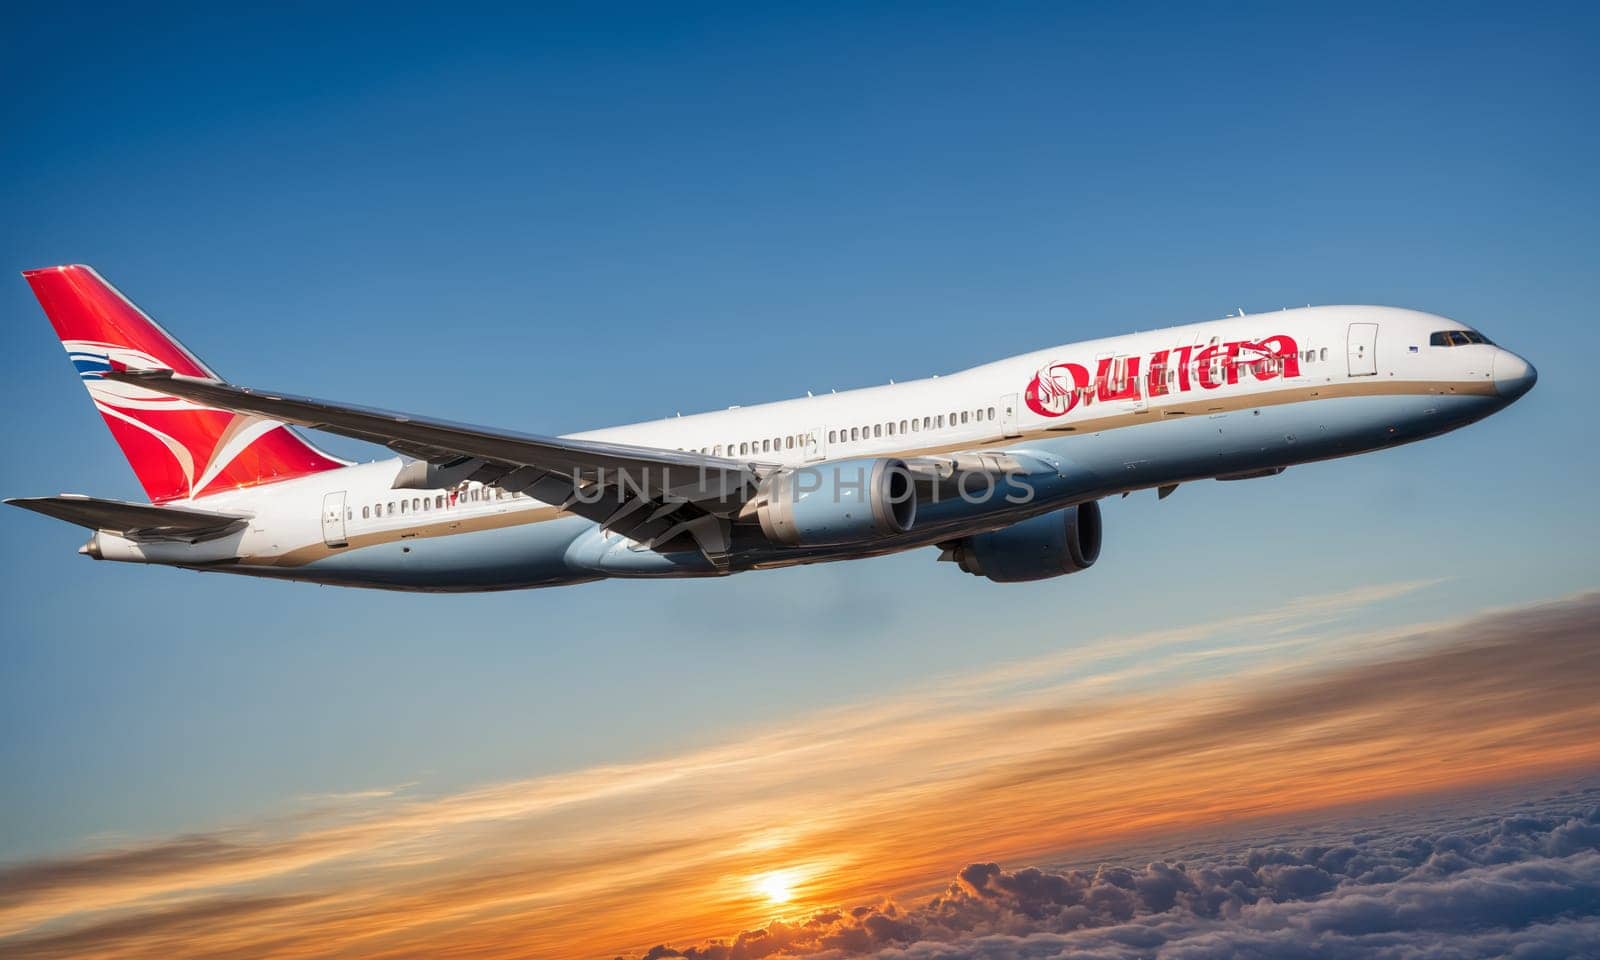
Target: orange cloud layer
pixel 1123 738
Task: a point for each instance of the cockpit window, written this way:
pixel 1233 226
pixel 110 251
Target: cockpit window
pixel 1457 338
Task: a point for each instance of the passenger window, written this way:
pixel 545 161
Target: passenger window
pixel 391 508
pixel 877 429
pixel 416 503
pixel 366 513
pixel 1324 353
pixel 927 423
pixel 855 433
pixel 744 448
pixel 991 413
pixel 833 436
pixel 963 416
pixel 902 426
pixel 438 502
pixel 915 424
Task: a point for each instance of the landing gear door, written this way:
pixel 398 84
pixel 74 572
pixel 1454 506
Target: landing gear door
pixel 333 520
pixel 1008 416
pixel 1363 349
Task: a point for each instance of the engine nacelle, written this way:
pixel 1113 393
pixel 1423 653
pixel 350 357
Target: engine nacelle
pixel 1050 545
pixel 840 501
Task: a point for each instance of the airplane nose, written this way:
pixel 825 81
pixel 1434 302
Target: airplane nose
pixel 1513 376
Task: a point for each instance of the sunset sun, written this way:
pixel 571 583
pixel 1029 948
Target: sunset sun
pixel 777 886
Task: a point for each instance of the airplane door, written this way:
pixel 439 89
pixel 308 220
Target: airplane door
pixel 815 448
pixel 1363 349
pixel 333 520
pixel 1008 416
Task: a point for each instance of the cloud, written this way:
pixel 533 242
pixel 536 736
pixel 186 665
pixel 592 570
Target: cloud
pixel 1102 748
pixel 1525 884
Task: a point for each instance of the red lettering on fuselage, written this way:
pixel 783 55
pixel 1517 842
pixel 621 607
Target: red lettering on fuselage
pixel 1156 384
pixel 1055 389
pixel 1118 378
pixel 1058 387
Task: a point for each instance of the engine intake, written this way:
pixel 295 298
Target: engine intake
pixel 842 501
pixel 1050 545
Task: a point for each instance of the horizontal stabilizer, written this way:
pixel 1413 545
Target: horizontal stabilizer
pixel 136 521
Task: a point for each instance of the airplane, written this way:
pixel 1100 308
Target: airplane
pixel 1000 467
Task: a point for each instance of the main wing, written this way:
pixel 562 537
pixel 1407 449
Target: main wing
pixel 655 496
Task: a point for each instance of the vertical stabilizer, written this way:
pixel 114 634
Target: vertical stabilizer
pixel 178 449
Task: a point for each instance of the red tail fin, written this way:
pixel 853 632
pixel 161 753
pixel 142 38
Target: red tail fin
pixel 178 449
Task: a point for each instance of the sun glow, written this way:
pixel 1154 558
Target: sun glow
pixel 777 886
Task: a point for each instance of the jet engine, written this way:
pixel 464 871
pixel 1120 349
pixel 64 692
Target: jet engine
pixel 1049 545
pixel 838 502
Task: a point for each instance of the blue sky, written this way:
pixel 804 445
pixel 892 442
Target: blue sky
pixel 574 218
